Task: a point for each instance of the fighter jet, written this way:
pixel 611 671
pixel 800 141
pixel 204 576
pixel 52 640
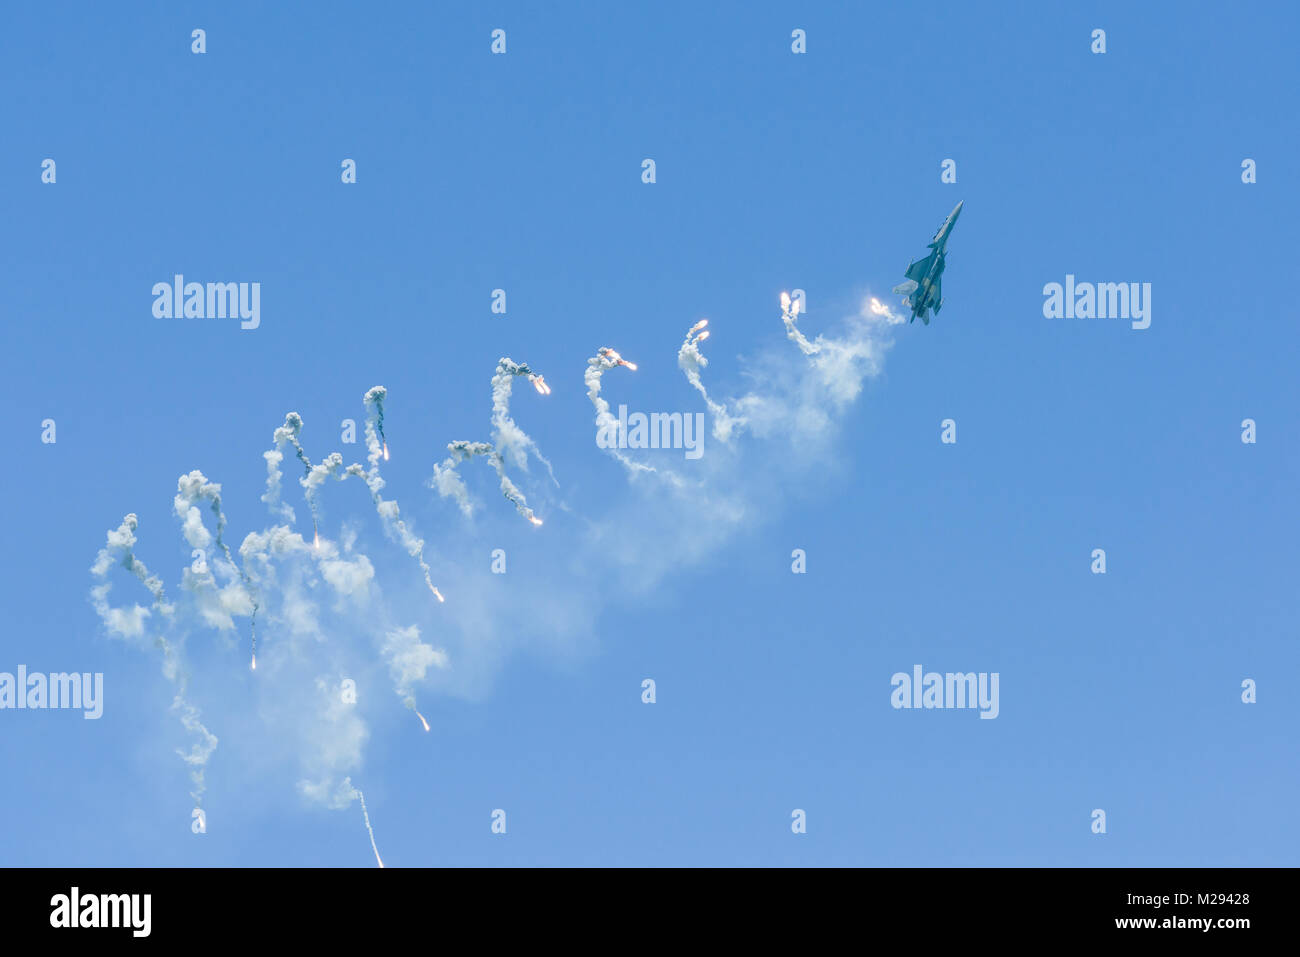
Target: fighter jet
pixel 923 289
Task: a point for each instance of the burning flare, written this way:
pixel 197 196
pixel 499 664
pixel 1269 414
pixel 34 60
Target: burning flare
pixel 790 316
pixel 422 721
pixel 617 359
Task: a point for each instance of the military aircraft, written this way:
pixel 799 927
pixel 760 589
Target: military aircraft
pixel 923 289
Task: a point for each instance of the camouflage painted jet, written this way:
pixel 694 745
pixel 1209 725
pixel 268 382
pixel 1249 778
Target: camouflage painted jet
pixel 923 289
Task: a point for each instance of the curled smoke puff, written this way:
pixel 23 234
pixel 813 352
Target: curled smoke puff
pixel 409 659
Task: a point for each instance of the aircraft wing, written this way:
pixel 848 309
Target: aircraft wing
pixel 918 270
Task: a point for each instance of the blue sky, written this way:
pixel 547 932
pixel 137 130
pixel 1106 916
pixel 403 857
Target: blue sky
pixel 774 171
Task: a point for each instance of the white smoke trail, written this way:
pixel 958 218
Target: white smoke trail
pixel 692 362
pixel 606 424
pixel 511 441
pixel 377 394
pixel 261 551
pixel 130 624
pixel 872 309
pixel 447 481
pixel 507 440
pixel 224 583
pixel 201 750
pixel 329 467
pixel 369 830
pixel 790 315
pixel 314 476
pixel 798 403
pixel 340 797
pixel 450 485
pixel 389 513
pixel 285 434
pixel 839 365
pixel 836 365
pixel 802 406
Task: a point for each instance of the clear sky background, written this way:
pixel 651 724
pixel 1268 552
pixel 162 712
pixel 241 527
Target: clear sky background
pixel 775 171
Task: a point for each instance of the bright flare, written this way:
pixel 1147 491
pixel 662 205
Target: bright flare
pixel 423 722
pixel 534 519
pixel 385 451
pixel 253 667
pixel 436 594
pixel 879 308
